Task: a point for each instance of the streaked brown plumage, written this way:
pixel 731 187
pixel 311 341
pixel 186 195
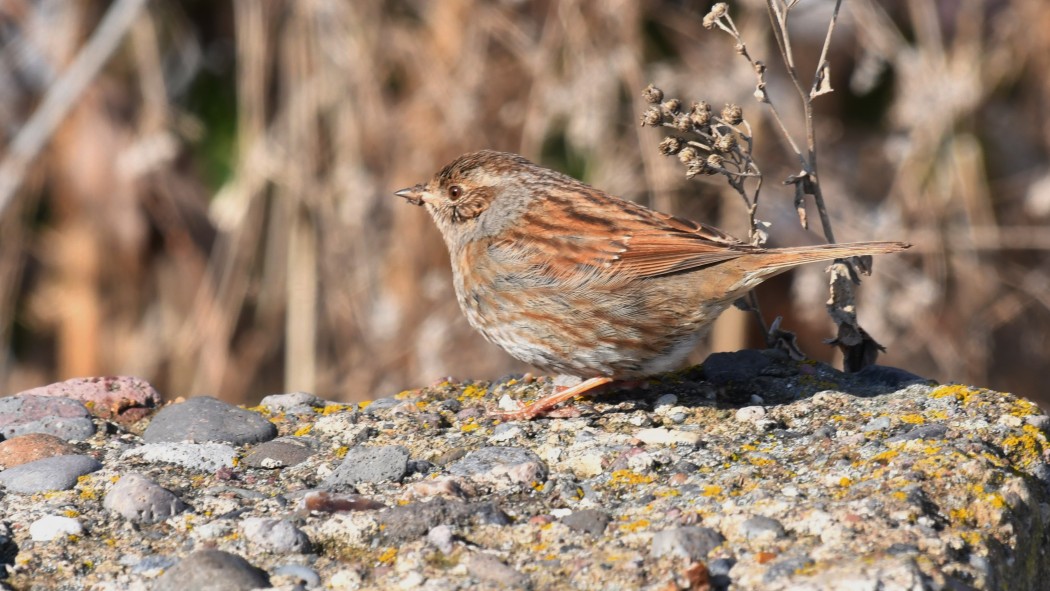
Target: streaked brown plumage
pixel 573 280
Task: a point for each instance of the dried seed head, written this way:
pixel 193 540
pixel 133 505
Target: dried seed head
pixel 717 11
pixel 652 117
pixel 671 145
pixel 700 114
pixel 696 167
pixel 688 155
pixel 732 114
pixel 714 161
pixel 672 105
pixel 652 95
pixel 725 143
pixel 682 122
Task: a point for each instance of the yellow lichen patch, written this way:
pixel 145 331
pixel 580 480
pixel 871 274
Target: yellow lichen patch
pixel 900 495
pixel 845 482
pixel 403 394
pixel 884 458
pixel 971 537
pixel 961 393
pixel 627 477
pixel 635 525
pixel 470 426
pixel 71 513
pixel 667 493
pixel 363 404
pixel 963 515
pixel 760 461
pixel 472 391
pixel 340 451
pixel 1023 408
pixel 838 417
pixel 711 490
pixel 259 409
pixel 937 415
pixel 1027 448
pixel 388 556
pixel 913 419
pixel 330 409
pixel 538 547
pixel 748 447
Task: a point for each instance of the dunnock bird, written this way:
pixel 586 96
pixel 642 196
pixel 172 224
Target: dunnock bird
pixel 573 280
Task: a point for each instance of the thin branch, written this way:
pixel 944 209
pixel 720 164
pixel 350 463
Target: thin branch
pixel 63 95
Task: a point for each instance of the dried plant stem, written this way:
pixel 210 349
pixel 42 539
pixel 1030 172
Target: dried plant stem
pixel 63 95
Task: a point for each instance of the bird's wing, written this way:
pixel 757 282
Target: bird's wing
pixel 587 232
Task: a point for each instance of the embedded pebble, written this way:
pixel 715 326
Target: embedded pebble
pixel 275 535
pixel 55 473
pixel 665 436
pixel 52 527
pixel 370 464
pixel 750 414
pixel 690 542
pixel 212 570
pixel 592 521
pixel 440 537
pixel 490 569
pixel 761 527
pixel 306 576
pixel 500 465
pixel 203 457
pixel 61 417
pixel 29 448
pixel 292 402
pixel 139 499
pixel 206 419
pixel 280 453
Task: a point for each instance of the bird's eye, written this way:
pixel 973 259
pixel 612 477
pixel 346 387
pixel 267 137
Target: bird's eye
pixel 455 192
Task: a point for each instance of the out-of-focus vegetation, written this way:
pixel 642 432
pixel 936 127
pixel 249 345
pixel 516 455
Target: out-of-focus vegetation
pixel 215 214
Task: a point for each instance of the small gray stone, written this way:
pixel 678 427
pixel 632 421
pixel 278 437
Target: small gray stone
pixel 212 570
pixel 370 464
pixel 877 424
pixel 496 464
pixel 279 453
pixel 54 473
pixel 292 402
pixel 691 542
pixel 139 499
pixel 206 419
pixel 203 457
pixel 933 431
pixel 490 569
pixel 405 523
pixel 61 417
pixel 761 527
pixel 592 521
pixel 275 535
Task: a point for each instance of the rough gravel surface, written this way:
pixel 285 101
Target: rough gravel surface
pixel 751 472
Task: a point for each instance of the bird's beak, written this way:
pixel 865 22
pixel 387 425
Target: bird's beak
pixel 413 195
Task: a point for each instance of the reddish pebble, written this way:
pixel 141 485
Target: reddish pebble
pixel 540 519
pixel 34 446
pixel 677 479
pixel 124 398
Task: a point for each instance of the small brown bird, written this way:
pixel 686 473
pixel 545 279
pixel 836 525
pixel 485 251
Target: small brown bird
pixel 573 280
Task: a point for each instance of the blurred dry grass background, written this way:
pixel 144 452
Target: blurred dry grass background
pixel 215 212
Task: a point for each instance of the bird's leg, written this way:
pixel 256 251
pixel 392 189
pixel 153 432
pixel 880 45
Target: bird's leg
pixel 545 404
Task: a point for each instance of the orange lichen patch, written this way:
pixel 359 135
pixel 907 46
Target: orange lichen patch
pixel 765 557
pixel 628 478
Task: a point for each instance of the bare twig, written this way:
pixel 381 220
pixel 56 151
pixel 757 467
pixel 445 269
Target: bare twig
pixel 35 134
